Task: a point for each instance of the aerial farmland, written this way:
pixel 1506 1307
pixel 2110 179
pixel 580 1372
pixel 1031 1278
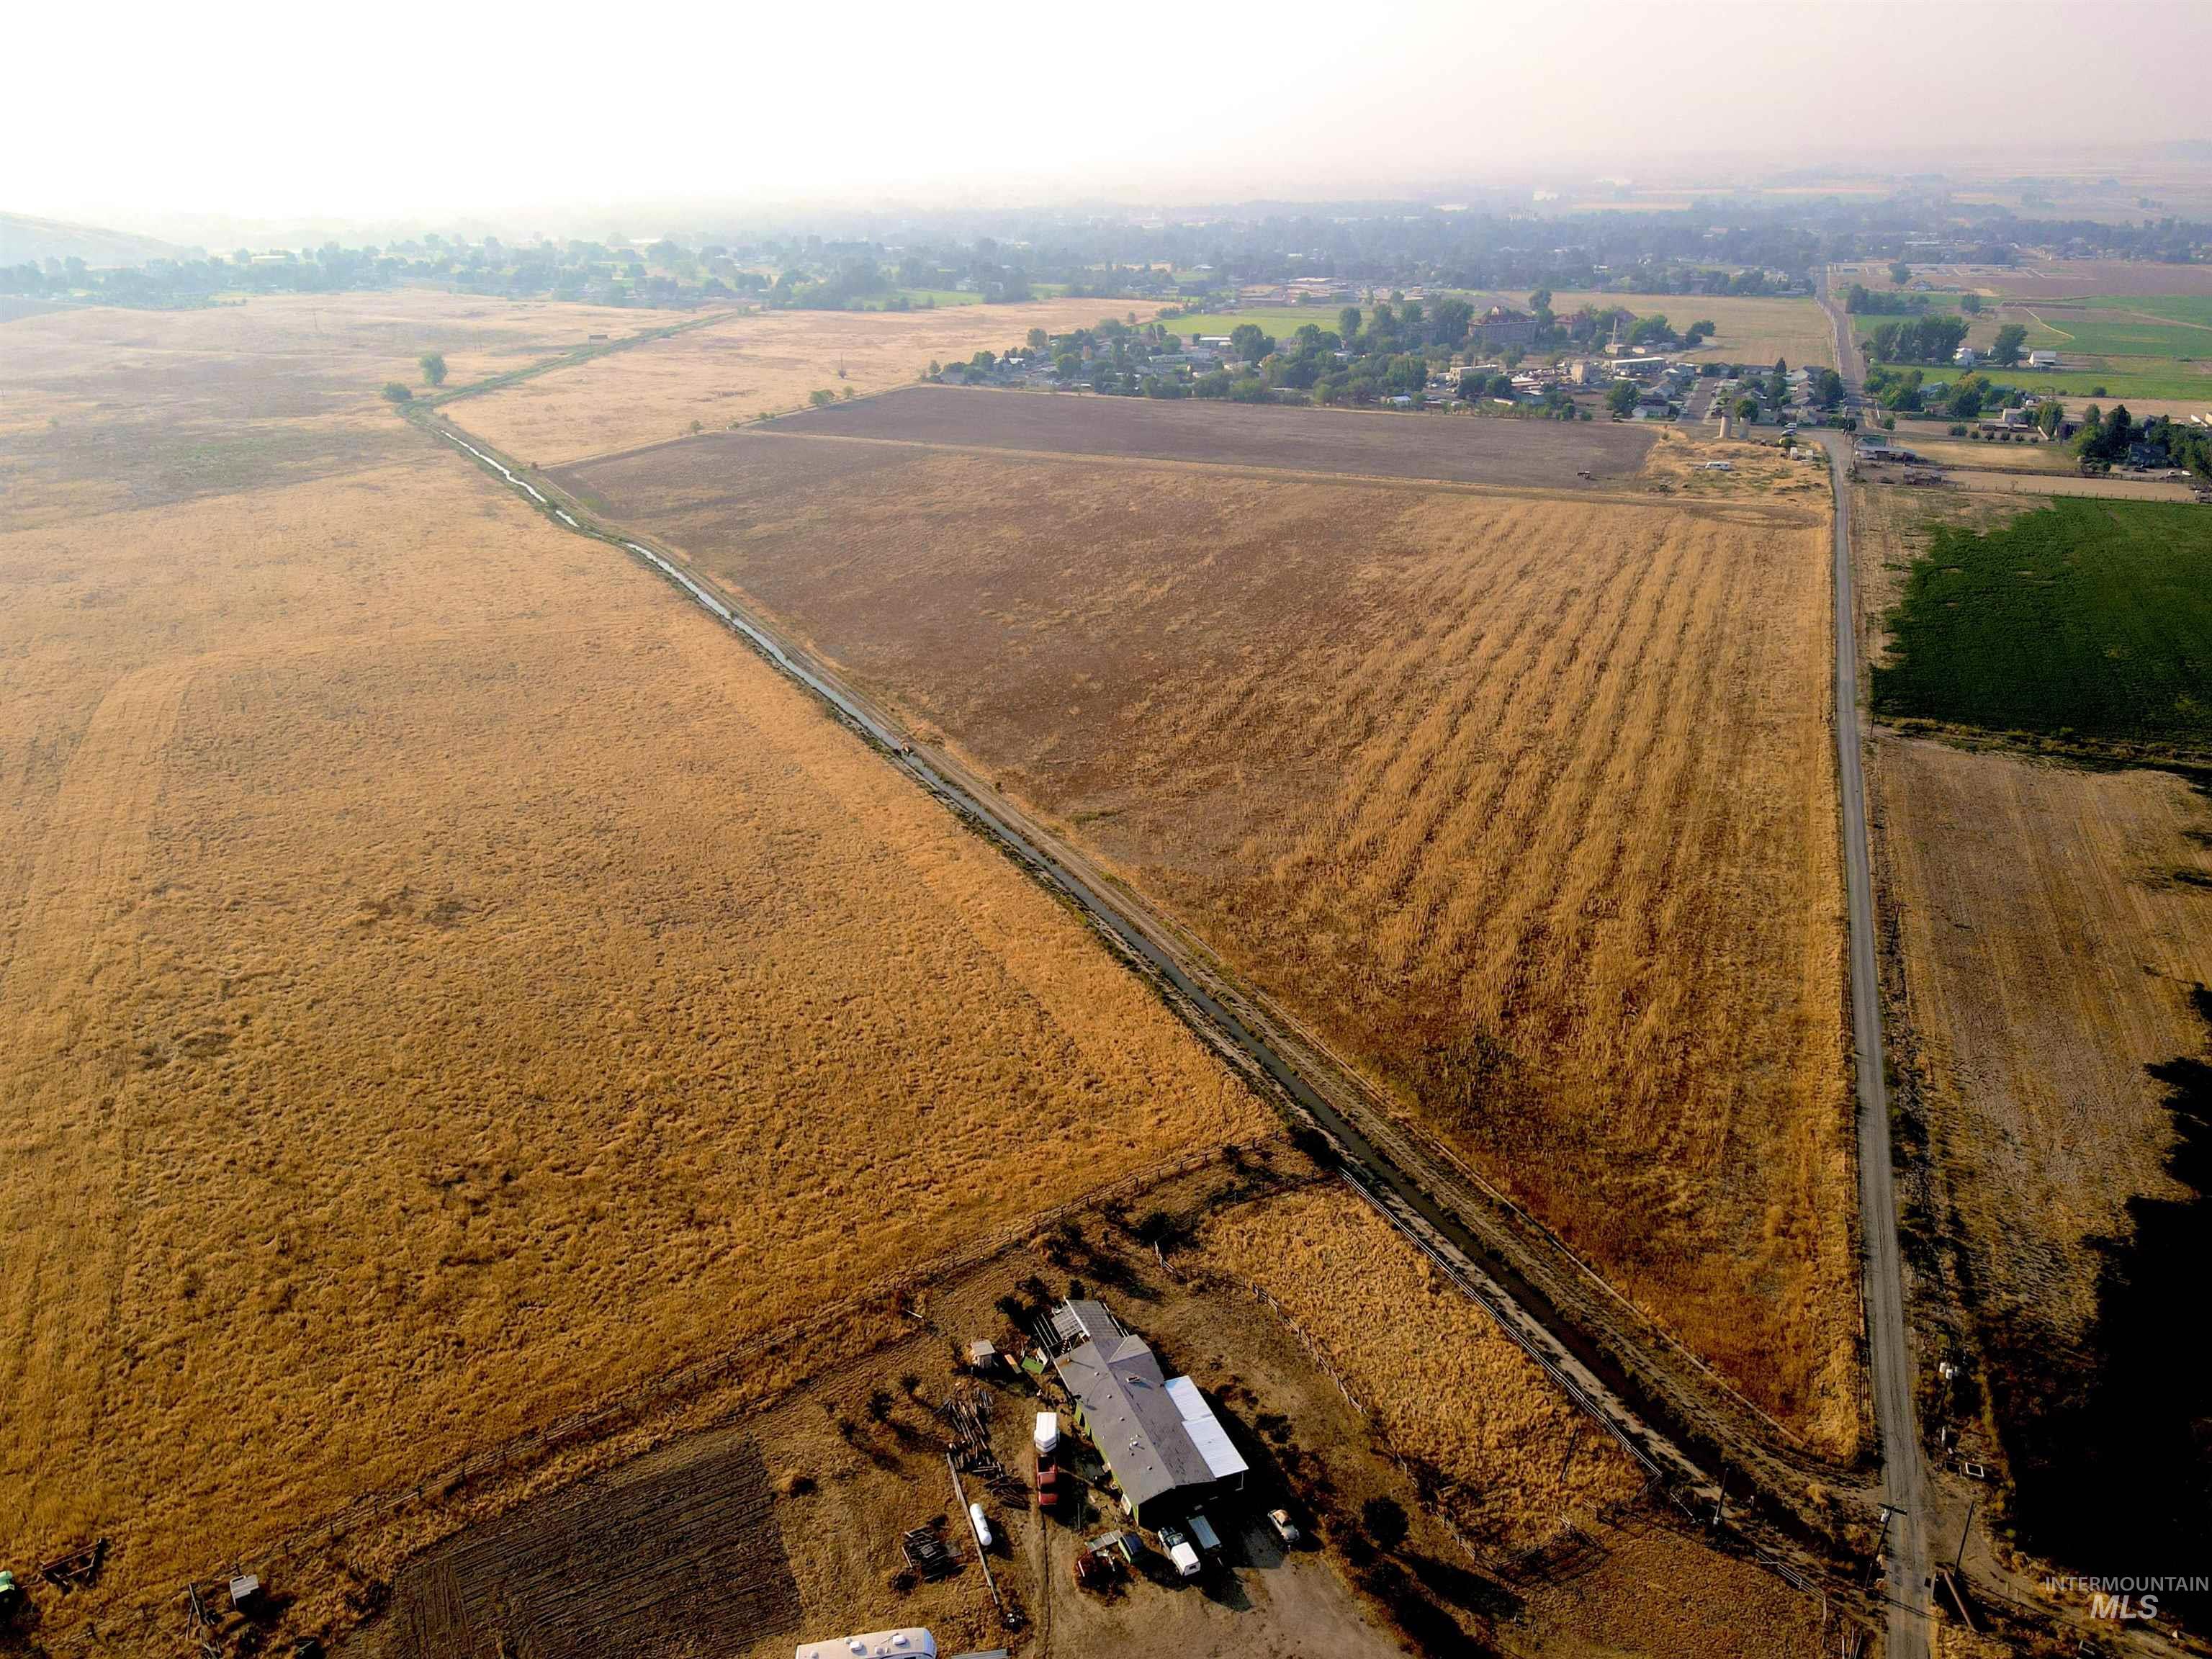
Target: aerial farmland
pixel 1369 746
pixel 822 837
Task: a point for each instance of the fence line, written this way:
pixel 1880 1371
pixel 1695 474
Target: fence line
pixel 1790 1574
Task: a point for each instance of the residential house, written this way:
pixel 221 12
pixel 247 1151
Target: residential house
pixel 1160 1441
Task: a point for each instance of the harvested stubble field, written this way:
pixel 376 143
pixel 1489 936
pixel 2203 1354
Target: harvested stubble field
pixel 766 363
pixel 445 981
pixel 2058 279
pixel 1462 450
pixel 1526 802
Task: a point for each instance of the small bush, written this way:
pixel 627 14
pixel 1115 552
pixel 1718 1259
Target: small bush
pixel 1385 1520
pixel 396 393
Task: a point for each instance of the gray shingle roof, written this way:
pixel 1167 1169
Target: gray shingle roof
pixel 1136 1422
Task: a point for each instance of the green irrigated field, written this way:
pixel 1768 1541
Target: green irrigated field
pixel 1281 321
pixel 2091 618
pixel 921 299
pixel 2155 380
pixel 2195 309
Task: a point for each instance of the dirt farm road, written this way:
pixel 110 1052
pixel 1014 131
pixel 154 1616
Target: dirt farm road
pixel 1684 1425
pixel 1904 1488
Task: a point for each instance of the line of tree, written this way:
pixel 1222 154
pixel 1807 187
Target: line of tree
pixel 2106 438
pixel 1923 340
pixel 1861 300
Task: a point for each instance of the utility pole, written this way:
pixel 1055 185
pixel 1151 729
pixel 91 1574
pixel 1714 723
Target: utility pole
pixel 1958 1561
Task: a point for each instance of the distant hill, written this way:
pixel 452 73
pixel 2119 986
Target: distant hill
pixel 23 237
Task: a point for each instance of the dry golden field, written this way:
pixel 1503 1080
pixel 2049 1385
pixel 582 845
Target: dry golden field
pixel 1753 330
pixel 764 363
pixel 1525 1461
pixel 2053 459
pixel 444 980
pixel 103 409
pixel 1525 801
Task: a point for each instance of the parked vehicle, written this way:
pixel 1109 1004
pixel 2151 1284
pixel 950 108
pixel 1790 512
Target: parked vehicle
pixel 1280 1521
pixel 1201 1530
pixel 1178 1550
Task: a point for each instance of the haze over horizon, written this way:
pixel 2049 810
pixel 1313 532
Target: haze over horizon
pixel 284 116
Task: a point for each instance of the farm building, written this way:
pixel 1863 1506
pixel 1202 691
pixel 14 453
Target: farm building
pixel 2042 360
pixel 1161 1442
pixel 1501 326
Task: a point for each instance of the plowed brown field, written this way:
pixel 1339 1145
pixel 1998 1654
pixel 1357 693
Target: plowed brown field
pixel 1527 803
pixel 1361 442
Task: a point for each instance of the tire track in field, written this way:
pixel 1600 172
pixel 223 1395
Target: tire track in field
pixel 63 1219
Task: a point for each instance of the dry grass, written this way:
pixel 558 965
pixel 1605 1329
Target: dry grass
pixel 1659 1594
pixel 1442 1382
pixel 1994 457
pixel 2039 487
pixel 769 362
pixel 1527 803
pixel 444 980
pixel 1757 471
pixel 103 409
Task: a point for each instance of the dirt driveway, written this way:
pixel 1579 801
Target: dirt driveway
pixel 1261 1602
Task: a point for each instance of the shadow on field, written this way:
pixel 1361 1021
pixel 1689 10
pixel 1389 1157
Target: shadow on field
pixel 2110 1461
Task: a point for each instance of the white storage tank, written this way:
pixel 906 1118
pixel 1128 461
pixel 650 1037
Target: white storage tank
pixel 983 1526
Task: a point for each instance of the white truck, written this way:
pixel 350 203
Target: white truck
pixel 1179 1552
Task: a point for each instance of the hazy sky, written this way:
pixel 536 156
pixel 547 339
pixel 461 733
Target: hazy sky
pixel 418 112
